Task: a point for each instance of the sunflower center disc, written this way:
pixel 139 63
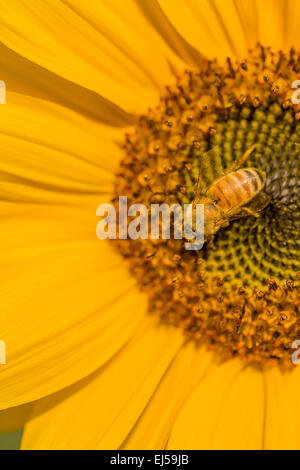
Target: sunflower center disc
pixel 241 298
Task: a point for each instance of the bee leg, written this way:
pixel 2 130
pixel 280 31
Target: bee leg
pixel 237 163
pixel 248 211
pixel 210 243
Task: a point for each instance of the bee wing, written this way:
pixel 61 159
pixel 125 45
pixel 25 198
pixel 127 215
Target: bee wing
pixel 259 202
pixel 210 169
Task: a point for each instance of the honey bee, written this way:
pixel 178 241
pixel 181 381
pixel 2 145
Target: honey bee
pixel 234 193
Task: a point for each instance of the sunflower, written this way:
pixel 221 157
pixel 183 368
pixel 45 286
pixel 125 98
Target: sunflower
pixel 137 344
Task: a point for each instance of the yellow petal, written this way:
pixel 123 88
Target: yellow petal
pixel 48 147
pixel 212 27
pixel 222 28
pixel 161 23
pixel 184 374
pixel 247 12
pixel 282 410
pixel 291 23
pixel 67 303
pixel 28 231
pixel 271 16
pixel 99 413
pixel 224 412
pixel 232 29
pixel 129 30
pixel 15 418
pixel 90 46
pixel 27 78
pixel 241 421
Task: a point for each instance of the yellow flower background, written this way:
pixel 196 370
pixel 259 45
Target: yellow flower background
pixel 87 367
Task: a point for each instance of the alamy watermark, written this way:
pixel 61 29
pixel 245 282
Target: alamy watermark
pixel 296 353
pixel 2 92
pixel 295 95
pixel 139 222
pixel 2 352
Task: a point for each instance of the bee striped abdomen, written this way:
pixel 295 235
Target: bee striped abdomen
pixel 237 188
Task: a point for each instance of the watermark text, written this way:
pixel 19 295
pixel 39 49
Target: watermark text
pixel 157 222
